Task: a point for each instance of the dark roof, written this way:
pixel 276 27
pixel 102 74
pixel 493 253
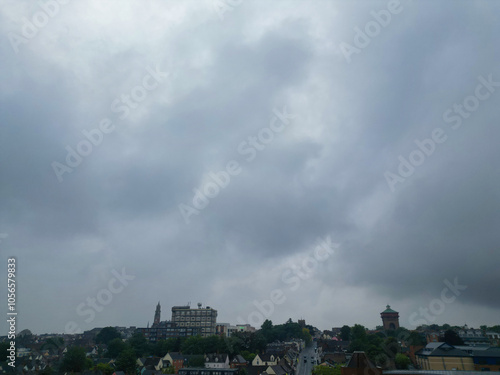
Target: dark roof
pixel 360 360
pixel 179 356
pixel 490 352
pixel 239 359
pixel 441 349
pixel 151 372
pixel 256 370
pixel 219 358
pixel 278 370
pixel 151 361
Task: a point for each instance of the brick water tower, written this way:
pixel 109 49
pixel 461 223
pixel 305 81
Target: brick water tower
pixel 390 319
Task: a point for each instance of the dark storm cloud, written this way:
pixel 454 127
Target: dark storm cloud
pixel 323 175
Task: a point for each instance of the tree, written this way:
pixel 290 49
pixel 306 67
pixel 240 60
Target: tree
pixel 75 360
pixel 162 347
pixel 47 371
pixel 168 370
pixel 416 339
pixel 358 332
pixel 127 361
pixel 326 370
pixel 267 330
pixel 452 338
pixel 197 361
pixel 104 368
pixel 391 346
pixel 494 329
pixel 345 333
pixel 106 335
pixel 306 335
pixel 247 355
pixel 402 362
pixel 115 347
pixel 139 343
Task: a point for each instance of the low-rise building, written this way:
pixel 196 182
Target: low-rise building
pixel 443 356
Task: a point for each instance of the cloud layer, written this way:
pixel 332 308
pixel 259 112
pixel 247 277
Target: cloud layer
pixel 227 71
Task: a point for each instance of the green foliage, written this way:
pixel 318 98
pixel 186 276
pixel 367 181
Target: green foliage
pixel 197 361
pixel 115 347
pixel 402 361
pixel 162 347
pixel 326 370
pixel 127 361
pixel 253 342
pixel 168 370
pixel 74 360
pixel 105 368
pixel 106 335
pixel 358 332
pixel 306 335
pixel 494 329
pixel 47 371
pixel 248 356
pixel 391 346
pixel 140 345
pixel 345 333
pixel 283 332
pixel 416 339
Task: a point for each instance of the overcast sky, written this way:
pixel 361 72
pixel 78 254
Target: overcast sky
pixel 369 127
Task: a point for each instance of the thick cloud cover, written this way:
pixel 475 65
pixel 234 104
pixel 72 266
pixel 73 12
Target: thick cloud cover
pixel 227 72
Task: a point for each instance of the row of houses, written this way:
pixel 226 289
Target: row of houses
pixel 280 358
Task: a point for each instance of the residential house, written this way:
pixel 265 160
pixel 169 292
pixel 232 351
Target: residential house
pixel 217 361
pixel 208 371
pixel 265 360
pixel 175 359
pixel 238 361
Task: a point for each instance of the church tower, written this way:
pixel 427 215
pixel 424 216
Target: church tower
pixel 390 319
pixel 157 315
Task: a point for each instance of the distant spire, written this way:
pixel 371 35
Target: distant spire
pixel 156 320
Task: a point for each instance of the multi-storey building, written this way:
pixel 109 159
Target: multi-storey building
pixel 204 319
pixel 167 329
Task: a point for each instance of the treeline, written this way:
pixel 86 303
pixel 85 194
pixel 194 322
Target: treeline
pixel 383 348
pixel 247 344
